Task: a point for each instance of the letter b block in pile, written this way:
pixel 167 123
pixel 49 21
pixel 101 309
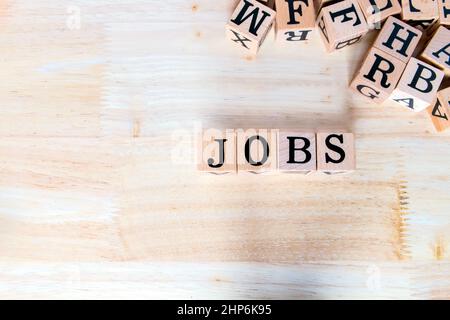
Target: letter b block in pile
pixel 249 25
pixel 341 24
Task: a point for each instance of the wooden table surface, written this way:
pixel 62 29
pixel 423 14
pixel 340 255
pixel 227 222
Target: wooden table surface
pixel 99 196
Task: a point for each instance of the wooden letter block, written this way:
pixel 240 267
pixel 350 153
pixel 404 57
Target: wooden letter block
pixel 398 39
pixel 341 24
pixel 257 150
pixel 217 151
pixel 444 12
pixel 295 20
pixel 249 25
pixel 439 111
pixel 335 152
pixel 437 51
pixel 418 85
pixel 296 151
pixel 419 9
pixel 376 11
pixel 378 76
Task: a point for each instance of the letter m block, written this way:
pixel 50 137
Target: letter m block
pixel 249 25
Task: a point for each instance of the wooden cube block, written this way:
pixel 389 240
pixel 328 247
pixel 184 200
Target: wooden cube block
pixel 296 151
pixel 269 3
pixel 249 25
pixel 419 9
pixel 444 12
pixel 418 85
pixel 376 11
pixel 341 24
pixel 437 51
pixel 257 150
pixel 335 152
pixel 378 76
pixel 217 151
pixel 398 39
pixel 439 111
pixel 295 20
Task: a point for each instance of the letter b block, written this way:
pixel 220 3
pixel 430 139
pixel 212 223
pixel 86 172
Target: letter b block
pixel 217 151
pixel 335 152
pixel 341 24
pixel 295 20
pixel 297 151
pixel 257 150
pixel 249 25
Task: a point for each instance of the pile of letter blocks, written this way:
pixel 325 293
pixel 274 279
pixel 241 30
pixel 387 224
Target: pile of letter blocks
pixel 409 62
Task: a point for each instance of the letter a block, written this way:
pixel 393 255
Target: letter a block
pixel 257 150
pixel 419 10
pixel 297 151
pixel 398 39
pixel 341 24
pixel 335 152
pixel 217 151
pixel 418 85
pixel 295 20
pixel 377 11
pixel 444 12
pixel 437 51
pixel 249 25
pixel 439 111
pixel 378 76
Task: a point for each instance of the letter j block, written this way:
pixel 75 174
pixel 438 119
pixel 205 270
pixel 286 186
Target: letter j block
pixel 217 151
pixel 341 24
pixel 249 25
pixel 335 152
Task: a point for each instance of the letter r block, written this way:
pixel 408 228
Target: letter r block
pixel 257 150
pixel 295 20
pixel 378 76
pixel 418 85
pixel 296 151
pixel 341 24
pixel 217 151
pixel 249 25
pixel 437 51
pixel 439 111
pixel 335 152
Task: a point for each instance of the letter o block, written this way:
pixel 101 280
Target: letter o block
pixel 249 25
pixel 257 150
pixel 335 152
pixel 297 151
pixel 341 24
pixel 217 151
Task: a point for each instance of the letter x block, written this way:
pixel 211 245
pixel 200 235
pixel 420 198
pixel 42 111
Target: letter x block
pixel 249 25
pixel 257 150
pixel 444 12
pixel 295 20
pixel 439 111
pixel 217 151
pixel 419 9
pixel 377 11
pixel 296 151
pixel 437 51
pixel 335 152
pixel 341 24
pixel 418 85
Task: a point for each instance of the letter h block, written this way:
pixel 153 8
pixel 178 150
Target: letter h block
pixel 295 20
pixel 335 152
pixel 217 151
pixel 257 150
pixel 341 24
pixel 296 151
pixel 439 111
pixel 249 25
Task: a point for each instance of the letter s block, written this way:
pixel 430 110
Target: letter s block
pixel 217 151
pixel 335 152
pixel 439 111
pixel 257 150
pixel 249 25
pixel 418 85
pixel 297 151
pixel 341 24
pixel 295 21
pixel 437 51
pixel 378 76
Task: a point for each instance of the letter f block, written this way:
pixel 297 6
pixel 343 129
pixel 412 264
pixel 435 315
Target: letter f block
pixel 217 151
pixel 249 25
pixel 295 21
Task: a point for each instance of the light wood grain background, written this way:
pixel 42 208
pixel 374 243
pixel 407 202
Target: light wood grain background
pixel 95 203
